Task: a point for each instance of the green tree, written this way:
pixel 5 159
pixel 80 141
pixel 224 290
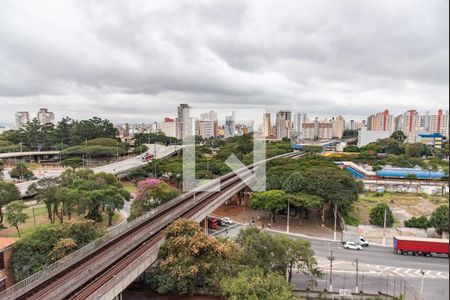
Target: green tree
pixel 21 172
pixel 376 216
pixel 272 202
pixel 391 146
pixel 398 135
pixel 273 253
pixel 253 284
pixel 439 219
pixel 190 260
pixel 294 183
pixel 15 214
pixel 140 149
pixel 73 162
pixel 416 150
pixel 47 192
pixel 334 186
pixel 2 166
pixel 47 243
pixel 8 193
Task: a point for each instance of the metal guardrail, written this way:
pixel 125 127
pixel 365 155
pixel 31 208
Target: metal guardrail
pixel 39 277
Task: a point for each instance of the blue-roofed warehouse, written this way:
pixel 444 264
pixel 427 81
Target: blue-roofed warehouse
pixel 403 172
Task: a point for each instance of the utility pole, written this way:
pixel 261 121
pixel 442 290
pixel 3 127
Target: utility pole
pixel 331 258
pixel 335 221
pixel 421 284
pixel 357 285
pixel 384 228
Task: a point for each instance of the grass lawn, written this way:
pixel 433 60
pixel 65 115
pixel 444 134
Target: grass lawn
pixel 40 212
pixel 130 187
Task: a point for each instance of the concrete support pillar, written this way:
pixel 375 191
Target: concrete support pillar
pixel 118 297
pixel 204 224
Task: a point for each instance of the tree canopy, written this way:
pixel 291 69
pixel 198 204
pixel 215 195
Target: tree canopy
pixel 439 219
pixel 376 216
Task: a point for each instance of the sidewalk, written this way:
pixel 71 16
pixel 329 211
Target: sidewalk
pixel 309 227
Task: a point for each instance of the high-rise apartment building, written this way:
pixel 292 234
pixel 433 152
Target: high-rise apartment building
pixel 439 123
pixel 267 124
pixel 299 119
pixel 284 124
pixel 338 125
pixel 318 130
pixel 45 117
pixel 410 121
pixel 383 121
pixel 183 121
pixel 22 119
pixel 230 126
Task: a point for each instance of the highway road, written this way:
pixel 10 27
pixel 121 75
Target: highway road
pixel 119 167
pixel 375 262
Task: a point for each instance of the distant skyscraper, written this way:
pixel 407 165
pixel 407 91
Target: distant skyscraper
pixel 299 119
pixel 183 120
pixel 266 124
pixel 229 128
pixel 45 117
pixel 22 119
pixel 284 124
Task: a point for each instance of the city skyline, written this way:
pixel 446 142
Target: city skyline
pixel 323 61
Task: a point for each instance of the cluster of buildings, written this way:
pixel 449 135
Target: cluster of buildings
pixel 427 128
pixel 301 128
pixel 207 125
pixel 43 116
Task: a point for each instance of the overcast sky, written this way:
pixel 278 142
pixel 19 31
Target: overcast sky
pixel 136 60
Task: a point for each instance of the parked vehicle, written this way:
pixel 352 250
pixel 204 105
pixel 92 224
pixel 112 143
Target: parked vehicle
pixel 212 223
pixel 349 236
pixel 227 220
pixel 352 246
pixel 420 246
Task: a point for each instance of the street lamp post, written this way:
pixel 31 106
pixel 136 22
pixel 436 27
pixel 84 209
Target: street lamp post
pixel 331 258
pixel 357 283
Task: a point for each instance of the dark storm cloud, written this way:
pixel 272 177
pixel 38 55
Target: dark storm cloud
pixel 136 60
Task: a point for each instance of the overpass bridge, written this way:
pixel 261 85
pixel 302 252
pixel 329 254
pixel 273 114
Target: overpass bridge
pixel 104 268
pixel 117 168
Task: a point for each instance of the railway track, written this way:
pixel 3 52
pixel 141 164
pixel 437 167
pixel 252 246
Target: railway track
pixel 86 276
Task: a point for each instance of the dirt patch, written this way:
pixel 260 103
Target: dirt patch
pixel 310 225
pixel 403 205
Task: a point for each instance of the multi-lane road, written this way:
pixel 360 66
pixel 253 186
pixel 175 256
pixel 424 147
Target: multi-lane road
pixel 123 166
pixel 377 264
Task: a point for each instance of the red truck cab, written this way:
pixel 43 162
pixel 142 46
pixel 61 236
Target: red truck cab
pixel 212 223
pixel 420 246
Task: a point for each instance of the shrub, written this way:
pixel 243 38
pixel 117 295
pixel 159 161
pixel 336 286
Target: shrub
pixel 420 222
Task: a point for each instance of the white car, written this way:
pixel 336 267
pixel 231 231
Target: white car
pixel 227 220
pixel 352 245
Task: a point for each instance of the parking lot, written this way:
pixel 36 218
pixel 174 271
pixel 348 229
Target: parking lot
pixel 230 228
